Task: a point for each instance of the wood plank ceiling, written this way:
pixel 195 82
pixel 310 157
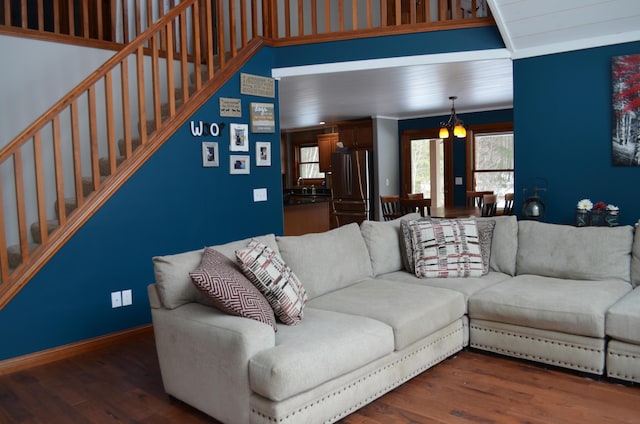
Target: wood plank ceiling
pixel 420 86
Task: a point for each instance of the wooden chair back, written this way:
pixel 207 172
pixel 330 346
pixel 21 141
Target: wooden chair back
pixel 474 198
pixel 419 205
pixel 489 203
pixel 508 204
pixel 390 207
pixel 415 196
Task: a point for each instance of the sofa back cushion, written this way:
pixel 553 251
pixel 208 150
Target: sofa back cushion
pixel 635 258
pixel 174 284
pixel 504 244
pixel 327 261
pixel 563 251
pixel 383 240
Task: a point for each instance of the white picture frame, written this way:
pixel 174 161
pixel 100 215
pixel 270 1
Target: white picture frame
pixel 239 164
pixel 210 156
pixel 263 153
pixel 239 137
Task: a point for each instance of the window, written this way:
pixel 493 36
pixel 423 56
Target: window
pixel 493 163
pixel 308 164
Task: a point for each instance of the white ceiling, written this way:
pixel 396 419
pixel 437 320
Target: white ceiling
pixel 419 86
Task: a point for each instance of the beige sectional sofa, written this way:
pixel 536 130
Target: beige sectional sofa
pixel 553 294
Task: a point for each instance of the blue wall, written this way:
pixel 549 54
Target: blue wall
pixel 459 149
pixel 172 204
pixel 562 126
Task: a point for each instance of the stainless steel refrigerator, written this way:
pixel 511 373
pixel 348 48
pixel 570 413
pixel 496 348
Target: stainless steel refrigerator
pixel 350 187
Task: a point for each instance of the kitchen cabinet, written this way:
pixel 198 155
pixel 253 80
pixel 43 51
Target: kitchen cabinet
pixel 357 135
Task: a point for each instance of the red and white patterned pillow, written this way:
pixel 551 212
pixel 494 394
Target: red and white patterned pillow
pixel 275 280
pixel 222 282
pixel 446 248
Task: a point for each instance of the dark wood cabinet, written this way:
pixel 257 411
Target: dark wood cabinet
pixel 357 135
pixel 326 145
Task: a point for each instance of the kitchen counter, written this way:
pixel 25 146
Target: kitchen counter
pixel 306 213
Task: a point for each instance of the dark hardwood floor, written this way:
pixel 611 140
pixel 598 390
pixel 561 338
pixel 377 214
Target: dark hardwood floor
pixel 122 384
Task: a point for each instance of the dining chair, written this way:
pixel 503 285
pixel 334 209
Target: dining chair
pixel 415 196
pixel 489 203
pixel 390 207
pixel 508 204
pixel 418 204
pixel 474 198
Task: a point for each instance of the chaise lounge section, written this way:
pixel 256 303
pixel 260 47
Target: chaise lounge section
pixel 553 294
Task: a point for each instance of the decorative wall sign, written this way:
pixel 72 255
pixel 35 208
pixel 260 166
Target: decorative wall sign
pixel 263 153
pixel 200 129
pixel 625 141
pixel 210 154
pixel 256 85
pixel 239 141
pixel 239 164
pixel 230 107
pixel 263 118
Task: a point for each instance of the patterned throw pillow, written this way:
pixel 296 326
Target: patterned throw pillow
pixel 275 280
pixel 222 282
pixel 446 248
pixel 485 237
pixel 407 245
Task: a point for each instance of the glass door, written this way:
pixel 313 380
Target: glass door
pixel 423 164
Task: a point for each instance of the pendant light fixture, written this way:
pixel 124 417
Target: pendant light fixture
pixel 454 124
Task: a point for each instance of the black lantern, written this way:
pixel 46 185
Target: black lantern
pixel 534 204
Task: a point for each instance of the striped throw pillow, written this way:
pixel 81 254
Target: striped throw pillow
pixel 222 282
pixel 446 248
pixel 275 280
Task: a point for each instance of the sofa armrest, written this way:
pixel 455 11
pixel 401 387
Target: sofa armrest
pixel 204 357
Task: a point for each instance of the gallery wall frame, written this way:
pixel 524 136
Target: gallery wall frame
pixel 263 153
pixel 239 164
pixel 239 138
pixel 262 116
pixel 210 156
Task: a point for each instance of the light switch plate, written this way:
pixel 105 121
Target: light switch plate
pixel 259 194
pixel 458 180
pixel 116 299
pixel 127 297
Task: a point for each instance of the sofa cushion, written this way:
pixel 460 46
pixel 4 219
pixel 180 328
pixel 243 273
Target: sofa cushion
pixel 446 248
pixel 563 251
pixel 465 285
pixel 623 318
pixel 413 311
pixel 635 259
pixel 222 282
pixel 172 272
pixel 383 242
pixel 504 243
pixel 275 280
pixel 327 261
pixel 568 306
pixel 325 345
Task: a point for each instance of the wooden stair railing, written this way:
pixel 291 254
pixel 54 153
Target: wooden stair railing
pixel 96 20
pixel 66 164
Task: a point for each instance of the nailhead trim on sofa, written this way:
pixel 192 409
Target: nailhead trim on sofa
pixel 536 357
pixel 363 380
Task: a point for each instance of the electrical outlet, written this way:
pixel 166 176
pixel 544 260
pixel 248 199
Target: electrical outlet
pixel 116 299
pixel 127 297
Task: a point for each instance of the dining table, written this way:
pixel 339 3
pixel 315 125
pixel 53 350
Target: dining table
pixel 455 211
